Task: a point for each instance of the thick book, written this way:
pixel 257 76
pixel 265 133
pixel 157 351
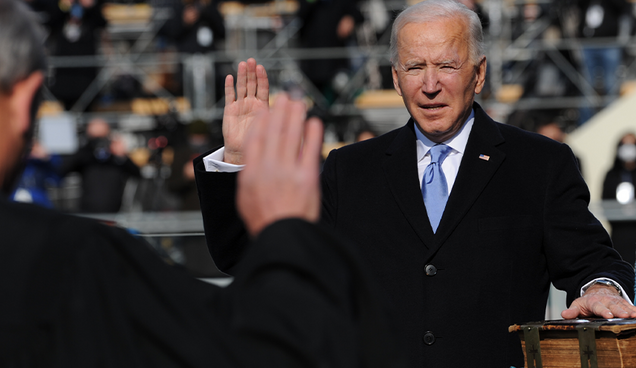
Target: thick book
pixel 580 343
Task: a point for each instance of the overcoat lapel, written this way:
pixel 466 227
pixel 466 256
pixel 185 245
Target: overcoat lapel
pixel 479 164
pixel 400 170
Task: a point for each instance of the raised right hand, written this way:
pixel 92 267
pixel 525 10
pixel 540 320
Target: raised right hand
pixel 252 97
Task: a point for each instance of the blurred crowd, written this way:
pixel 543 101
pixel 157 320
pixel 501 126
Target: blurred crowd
pixel 579 48
pixel 569 48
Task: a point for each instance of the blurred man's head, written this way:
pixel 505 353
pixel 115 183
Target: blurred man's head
pixel 98 128
pixel 21 74
pixel 552 130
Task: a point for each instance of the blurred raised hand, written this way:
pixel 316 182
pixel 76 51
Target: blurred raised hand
pixel 282 158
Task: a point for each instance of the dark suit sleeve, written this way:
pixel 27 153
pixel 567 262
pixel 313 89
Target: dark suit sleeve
pixel 577 247
pixel 303 299
pixel 225 233
pixel 329 193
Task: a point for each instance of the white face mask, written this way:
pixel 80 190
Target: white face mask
pixel 627 153
pixel 205 36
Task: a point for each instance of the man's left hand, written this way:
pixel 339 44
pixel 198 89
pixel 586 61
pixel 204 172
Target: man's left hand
pixel 600 301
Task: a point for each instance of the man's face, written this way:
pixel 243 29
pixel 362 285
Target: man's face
pixel 18 112
pixel 436 77
pixel 13 145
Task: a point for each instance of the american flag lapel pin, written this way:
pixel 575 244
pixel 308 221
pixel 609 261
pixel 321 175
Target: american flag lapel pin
pixel 484 157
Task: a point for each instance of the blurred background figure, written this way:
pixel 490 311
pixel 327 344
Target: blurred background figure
pixel 190 251
pixel 365 133
pixel 477 8
pixel 104 167
pixel 554 130
pixel 39 175
pixel 326 24
pixel 181 181
pixel 197 27
pixel 619 185
pixel 604 29
pixel 75 30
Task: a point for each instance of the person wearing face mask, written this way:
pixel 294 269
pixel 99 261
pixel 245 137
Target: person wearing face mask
pixel 603 30
pixel 104 166
pixel 76 28
pixel 619 185
pixel 196 28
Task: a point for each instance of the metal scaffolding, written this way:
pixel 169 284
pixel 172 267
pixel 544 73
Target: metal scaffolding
pixel 514 45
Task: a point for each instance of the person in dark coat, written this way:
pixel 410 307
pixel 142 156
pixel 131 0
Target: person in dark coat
pixel 181 181
pixel 508 217
pixel 604 27
pixel 105 169
pixel 619 185
pixel 75 30
pixel 78 293
pixel 196 257
pixel 196 27
pixel 326 24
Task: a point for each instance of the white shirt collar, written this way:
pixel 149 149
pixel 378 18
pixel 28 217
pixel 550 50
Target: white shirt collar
pixel 457 142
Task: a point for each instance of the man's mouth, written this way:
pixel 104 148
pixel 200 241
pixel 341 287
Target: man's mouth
pixel 432 107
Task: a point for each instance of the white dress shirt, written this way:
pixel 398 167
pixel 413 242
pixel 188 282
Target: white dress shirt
pixel 214 162
pixel 450 166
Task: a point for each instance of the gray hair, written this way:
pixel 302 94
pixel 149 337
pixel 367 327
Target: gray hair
pixel 433 10
pixel 21 44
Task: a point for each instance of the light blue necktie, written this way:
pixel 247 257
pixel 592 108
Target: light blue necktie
pixel 434 187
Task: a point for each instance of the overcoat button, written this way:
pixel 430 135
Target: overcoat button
pixel 430 270
pixel 429 338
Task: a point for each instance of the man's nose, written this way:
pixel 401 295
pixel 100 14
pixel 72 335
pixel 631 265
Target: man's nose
pixel 430 81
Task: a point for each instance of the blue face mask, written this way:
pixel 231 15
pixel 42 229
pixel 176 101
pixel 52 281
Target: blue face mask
pixel 77 11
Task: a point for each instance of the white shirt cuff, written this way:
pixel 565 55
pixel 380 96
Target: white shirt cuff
pixel 623 293
pixel 214 163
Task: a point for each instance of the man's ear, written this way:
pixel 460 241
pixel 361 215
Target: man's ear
pixel 396 81
pixel 21 99
pixel 481 75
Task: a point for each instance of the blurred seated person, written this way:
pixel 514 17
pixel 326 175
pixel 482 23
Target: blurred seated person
pixel 40 173
pixel 104 167
pixel 619 185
